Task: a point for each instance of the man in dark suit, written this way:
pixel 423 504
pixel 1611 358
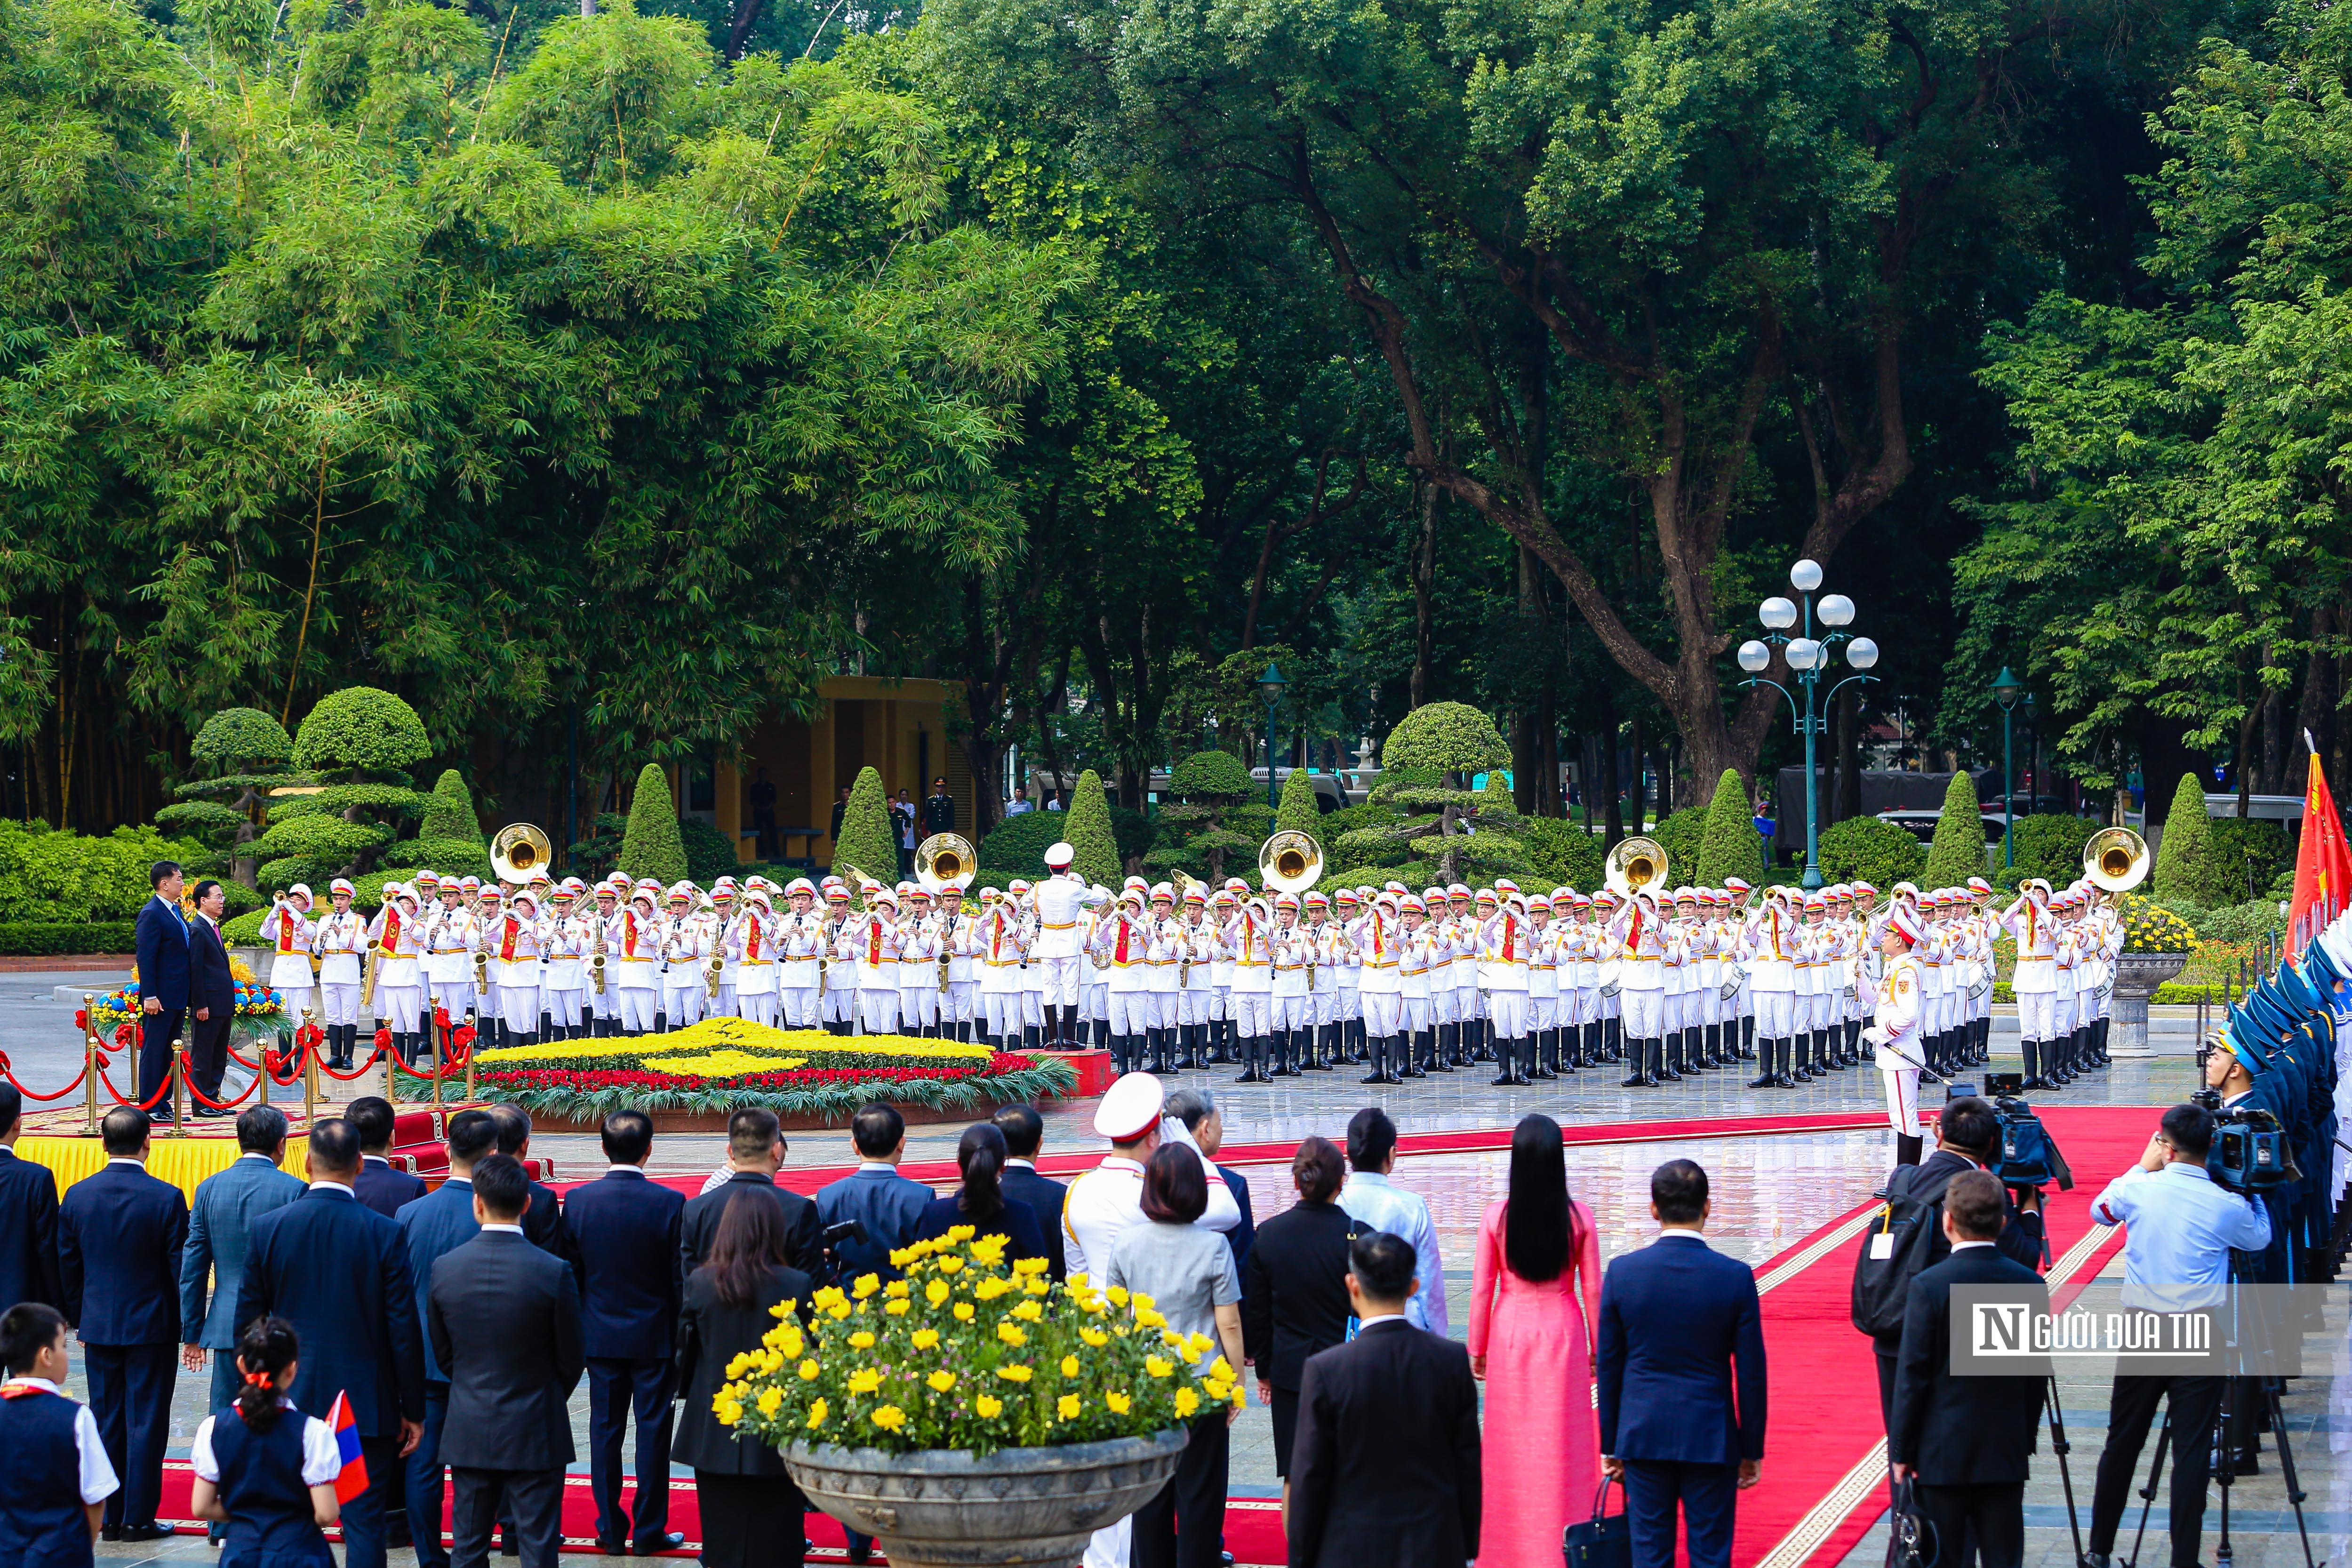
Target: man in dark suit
pixel 876 1195
pixel 439 1222
pixel 379 1187
pixel 120 1232
pixel 338 1272
pixel 504 1318
pixel 1965 1439
pixel 1025 1134
pixel 29 1216
pixel 626 1228
pixel 1384 1473
pixel 755 1152
pixel 211 998
pixel 543 1222
pixel 162 939
pixel 1680 1330
pixel 1968 1136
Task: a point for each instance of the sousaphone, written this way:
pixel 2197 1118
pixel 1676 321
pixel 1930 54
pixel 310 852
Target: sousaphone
pixel 2115 859
pixel 1635 864
pixel 518 852
pixel 945 860
pixel 1290 862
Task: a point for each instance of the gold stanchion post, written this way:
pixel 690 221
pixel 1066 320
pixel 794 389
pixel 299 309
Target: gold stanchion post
pixel 180 1106
pixel 89 1067
pixel 470 1050
pixel 310 1067
pixel 440 1054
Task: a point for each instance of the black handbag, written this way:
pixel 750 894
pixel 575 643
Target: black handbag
pixel 1605 1541
pixel 1910 1534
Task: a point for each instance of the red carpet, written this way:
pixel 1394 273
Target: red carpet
pixel 1823 1482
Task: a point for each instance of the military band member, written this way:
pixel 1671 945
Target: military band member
pixel 1166 955
pixel 1123 940
pixel 633 939
pixel 1543 989
pixel 289 933
pixel 1894 1032
pixel 2035 979
pixel 874 944
pixel 838 975
pixel 1419 981
pixel 1251 940
pixel 753 945
pixel 512 942
pixel 958 941
pixel 1000 942
pixel 796 938
pixel 339 938
pixel 399 986
pixel 451 937
pixel 563 978
pixel 1378 935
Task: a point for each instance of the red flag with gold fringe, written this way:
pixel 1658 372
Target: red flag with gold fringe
pixel 2323 866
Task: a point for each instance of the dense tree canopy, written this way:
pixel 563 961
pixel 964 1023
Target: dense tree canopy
pixel 608 380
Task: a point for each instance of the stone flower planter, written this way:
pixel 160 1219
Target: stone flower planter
pixel 2137 975
pixel 1018 1508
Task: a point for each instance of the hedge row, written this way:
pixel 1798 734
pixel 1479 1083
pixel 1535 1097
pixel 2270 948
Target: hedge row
pixel 31 939
pixel 2172 994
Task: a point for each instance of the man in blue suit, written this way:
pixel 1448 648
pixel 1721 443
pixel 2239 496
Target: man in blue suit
pixel 625 1229
pixel 163 976
pixel 119 1236
pixel 379 1187
pixel 440 1222
pixel 28 1216
pixel 876 1194
pixel 220 1230
pixel 338 1272
pixel 211 998
pixel 1680 1331
pixel 1025 1134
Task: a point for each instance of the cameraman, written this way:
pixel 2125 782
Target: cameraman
pixel 2179 1229
pixel 1968 1136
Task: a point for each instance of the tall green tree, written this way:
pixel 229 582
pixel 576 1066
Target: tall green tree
pixel 650 845
pixel 866 841
pixel 2187 868
pixel 1958 850
pixel 1088 832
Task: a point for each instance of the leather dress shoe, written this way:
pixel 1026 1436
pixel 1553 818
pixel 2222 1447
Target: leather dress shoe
pixel 144 1533
pixel 670 1542
pixel 607 1547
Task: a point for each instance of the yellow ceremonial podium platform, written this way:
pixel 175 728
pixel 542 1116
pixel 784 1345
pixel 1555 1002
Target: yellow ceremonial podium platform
pixel 182 1162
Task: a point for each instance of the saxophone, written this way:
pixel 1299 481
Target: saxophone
pixel 367 980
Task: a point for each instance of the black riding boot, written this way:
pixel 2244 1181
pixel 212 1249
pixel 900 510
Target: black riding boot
pixel 1639 1077
pixel 1748 1037
pixel 1907 1149
pixel 1663 1057
pixel 1446 1047
pixel 1768 1078
pixel 1505 1073
pixel 2031 1051
pixel 1250 1055
pixel 1786 1077
pixel 1547 1063
pixel 1695 1048
pixel 1526 1074
pixel 1820 1053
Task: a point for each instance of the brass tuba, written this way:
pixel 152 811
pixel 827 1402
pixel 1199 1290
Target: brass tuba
pixel 2115 859
pixel 1290 862
pixel 1635 864
pixel 518 850
pixel 945 860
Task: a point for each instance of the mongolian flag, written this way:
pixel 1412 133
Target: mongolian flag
pixel 2323 866
pixel 352 1478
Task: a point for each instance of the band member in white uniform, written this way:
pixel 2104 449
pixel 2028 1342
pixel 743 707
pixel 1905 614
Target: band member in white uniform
pixel 1895 1031
pixel 999 942
pixel 632 941
pixel 288 932
pixel 1060 900
pixel 340 938
pixel 563 982
pixel 957 941
pixel 399 985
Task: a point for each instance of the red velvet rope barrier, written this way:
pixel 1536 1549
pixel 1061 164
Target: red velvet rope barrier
pixel 35 1095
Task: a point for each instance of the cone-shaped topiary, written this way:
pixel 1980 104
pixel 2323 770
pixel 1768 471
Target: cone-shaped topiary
pixel 866 839
pixel 2186 865
pixel 651 846
pixel 451 814
pixel 1091 834
pixel 1730 847
pixel 1297 812
pixel 1958 852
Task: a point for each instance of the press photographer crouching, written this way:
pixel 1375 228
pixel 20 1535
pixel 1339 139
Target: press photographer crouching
pixel 1968 1139
pixel 1964 1442
pixel 2180 1227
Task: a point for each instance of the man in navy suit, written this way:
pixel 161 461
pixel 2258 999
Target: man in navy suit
pixel 1679 1330
pixel 877 1195
pixel 440 1222
pixel 338 1272
pixel 626 1230
pixel 379 1187
pixel 119 1236
pixel 211 997
pixel 29 1216
pixel 164 966
pixel 220 1229
pixel 543 1223
pixel 1025 1134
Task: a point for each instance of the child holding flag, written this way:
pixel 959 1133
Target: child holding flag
pixel 272 1473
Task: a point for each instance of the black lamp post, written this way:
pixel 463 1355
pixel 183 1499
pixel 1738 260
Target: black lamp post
pixel 2006 689
pixel 1271 684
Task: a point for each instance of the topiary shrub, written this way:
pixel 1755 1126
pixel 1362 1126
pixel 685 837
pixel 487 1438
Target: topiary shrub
pixel 1959 850
pixel 243 753
pixel 1868 849
pixel 709 855
pixel 60 877
pixel 242 741
pixel 2048 845
pixel 1561 854
pixel 361 729
pixel 866 841
pixel 366 739
pixel 1211 821
pixel 1090 833
pixel 1449 737
pixel 2249 854
pixel 451 813
pixel 1681 836
pixel 1297 811
pixel 1426 760
pixel 651 846
pixel 1017 845
pixel 1730 847
pixel 2186 866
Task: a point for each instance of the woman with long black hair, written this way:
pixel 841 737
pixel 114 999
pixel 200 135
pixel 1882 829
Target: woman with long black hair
pixel 1534 1292
pixel 751 1509
pixel 981 1202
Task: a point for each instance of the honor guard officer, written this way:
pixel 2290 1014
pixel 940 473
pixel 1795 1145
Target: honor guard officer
pixel 632 959
pixel 452 935
pixel 1895 1030
pixel 753 945
pixel 958 943
pixel 339 938
pixel 799 941
pixel 1060 902
pixel 399 988
pixel 288 932
pixel 563 943
pixel 513 945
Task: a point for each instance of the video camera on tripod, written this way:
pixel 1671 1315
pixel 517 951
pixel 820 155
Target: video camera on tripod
pixel 2027 1157
pixel 2250 1151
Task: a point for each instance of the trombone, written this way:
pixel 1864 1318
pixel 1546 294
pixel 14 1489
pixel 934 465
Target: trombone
pixel 2116 860
pixel 1635 864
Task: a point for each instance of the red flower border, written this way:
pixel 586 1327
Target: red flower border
pixel 584 1080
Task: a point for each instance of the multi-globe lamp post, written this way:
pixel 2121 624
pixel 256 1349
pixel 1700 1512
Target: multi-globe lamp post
pixel 1808 656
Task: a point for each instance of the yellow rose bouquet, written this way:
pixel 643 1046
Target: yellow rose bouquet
pixel 968 1351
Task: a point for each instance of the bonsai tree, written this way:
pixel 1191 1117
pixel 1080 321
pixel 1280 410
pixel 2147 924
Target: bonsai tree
pixel 650 847
pixel 1089 832
pixel 242 754
pixel 1958 852
pixel 2186 866
pixel 1210 817
pixel 866 841
pixel 361 742
pixel 1455 832
pixel 1730 847
pixel 450 839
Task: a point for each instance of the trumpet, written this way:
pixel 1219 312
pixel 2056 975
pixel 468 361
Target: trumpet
pixel 1635 864
pixel 1290 862
pixel 2115 859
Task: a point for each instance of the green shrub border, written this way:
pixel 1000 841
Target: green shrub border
pixel 34 939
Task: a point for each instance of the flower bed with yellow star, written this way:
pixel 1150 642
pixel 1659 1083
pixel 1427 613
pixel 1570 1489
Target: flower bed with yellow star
pixel 720 1064
pixel 969 1353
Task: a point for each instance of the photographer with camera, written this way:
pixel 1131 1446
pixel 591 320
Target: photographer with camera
pixel 1968 1139
pixel 2180 1228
